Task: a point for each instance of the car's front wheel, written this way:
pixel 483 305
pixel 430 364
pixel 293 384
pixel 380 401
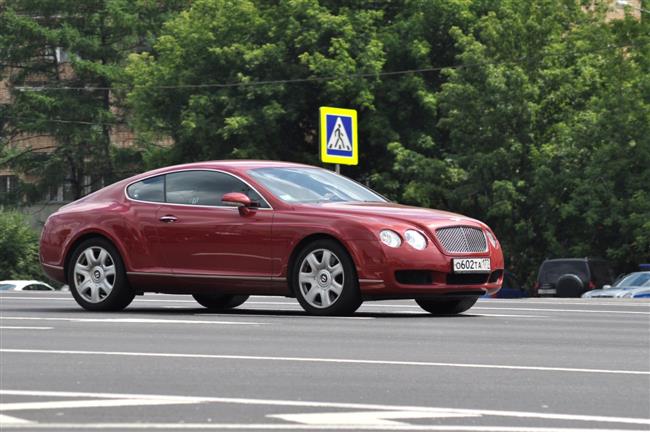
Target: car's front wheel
pixel 220 301
pixel 324 279
pixel 446 306
pixel 97 277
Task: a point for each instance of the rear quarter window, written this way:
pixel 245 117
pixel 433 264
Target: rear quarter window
pixel 151 189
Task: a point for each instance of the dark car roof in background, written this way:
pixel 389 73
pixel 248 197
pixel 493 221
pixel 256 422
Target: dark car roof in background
pixel 575 259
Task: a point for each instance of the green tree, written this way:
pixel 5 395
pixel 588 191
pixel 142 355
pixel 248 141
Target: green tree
pixel 61 59
pixel 239 44
pixel 18 248
pixel 547 129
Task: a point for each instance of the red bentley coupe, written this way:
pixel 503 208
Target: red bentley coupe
pixel 224 230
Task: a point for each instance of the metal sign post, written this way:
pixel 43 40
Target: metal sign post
pixel 338 137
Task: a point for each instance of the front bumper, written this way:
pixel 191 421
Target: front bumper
pixel 405 272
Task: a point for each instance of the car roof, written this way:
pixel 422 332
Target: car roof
pixel 226 165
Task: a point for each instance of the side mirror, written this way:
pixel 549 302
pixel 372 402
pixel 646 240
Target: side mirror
pixel 607 286
pixel 239 200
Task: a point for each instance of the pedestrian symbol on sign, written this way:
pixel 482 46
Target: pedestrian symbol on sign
pixel 339 139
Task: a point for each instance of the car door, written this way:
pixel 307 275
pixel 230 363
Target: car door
pixel 142 239
pixel 207 243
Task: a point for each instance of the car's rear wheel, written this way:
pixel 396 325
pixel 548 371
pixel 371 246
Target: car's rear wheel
pixel 324 279
pixel 220 301
pixel 446 306
pixel 97 277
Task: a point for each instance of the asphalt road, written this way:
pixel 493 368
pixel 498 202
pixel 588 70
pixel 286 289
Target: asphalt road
pixel 537 364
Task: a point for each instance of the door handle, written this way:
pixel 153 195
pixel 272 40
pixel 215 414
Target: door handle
pixel 168 219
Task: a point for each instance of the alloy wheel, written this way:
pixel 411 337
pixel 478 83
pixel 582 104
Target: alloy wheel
pixel 321 278
pixel 94 274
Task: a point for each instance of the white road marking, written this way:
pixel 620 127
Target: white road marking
pixel 130 320
pixel 6 420
pixel 563 310
pixel 572 301
pixel 639 303
pixel 336 405
pixel 366 418
pixel 276 426
pixel 97 403
pixel 505 315
pixel 295 316
pixel 24 328
pixel 324 360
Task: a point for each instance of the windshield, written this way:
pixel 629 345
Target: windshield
pixel 312 185
pixel 634 280
pixel 5 287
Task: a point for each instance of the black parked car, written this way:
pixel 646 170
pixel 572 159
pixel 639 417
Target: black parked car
pixel 571 277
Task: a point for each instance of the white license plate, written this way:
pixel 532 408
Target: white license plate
pixel 471 265
pixel 547 291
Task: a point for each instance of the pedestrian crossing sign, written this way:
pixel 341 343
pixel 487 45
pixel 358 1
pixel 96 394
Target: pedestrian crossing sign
pixel 338 136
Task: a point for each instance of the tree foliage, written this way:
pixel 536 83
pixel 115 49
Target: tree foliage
pixel 60 59
pixel 18 248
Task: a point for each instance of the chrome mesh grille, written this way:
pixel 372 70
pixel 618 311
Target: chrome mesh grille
pixel 462 239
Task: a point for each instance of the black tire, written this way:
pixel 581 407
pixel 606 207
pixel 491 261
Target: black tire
pixel 569 285
pixel 347 300
pixel 121 294
pixel 443 306
pixel 220 301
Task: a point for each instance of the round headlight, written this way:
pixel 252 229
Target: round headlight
pixel 390 238
pixel 492 239
pixel 415 239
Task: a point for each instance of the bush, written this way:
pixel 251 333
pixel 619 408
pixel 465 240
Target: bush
pixel 18 248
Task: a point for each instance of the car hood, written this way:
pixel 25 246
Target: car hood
pixel 384 212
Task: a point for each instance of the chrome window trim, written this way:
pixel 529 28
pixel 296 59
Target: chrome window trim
pixel 126 194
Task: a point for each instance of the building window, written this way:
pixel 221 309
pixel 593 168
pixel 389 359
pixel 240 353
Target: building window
pixel 8 184
pixel 61 55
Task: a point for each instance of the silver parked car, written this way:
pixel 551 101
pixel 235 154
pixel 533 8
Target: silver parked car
pixel 24 285
pixel 630 286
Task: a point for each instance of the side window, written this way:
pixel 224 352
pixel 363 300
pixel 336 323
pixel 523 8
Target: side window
pixel 205 188
pixel 151 189
pixel 36 287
